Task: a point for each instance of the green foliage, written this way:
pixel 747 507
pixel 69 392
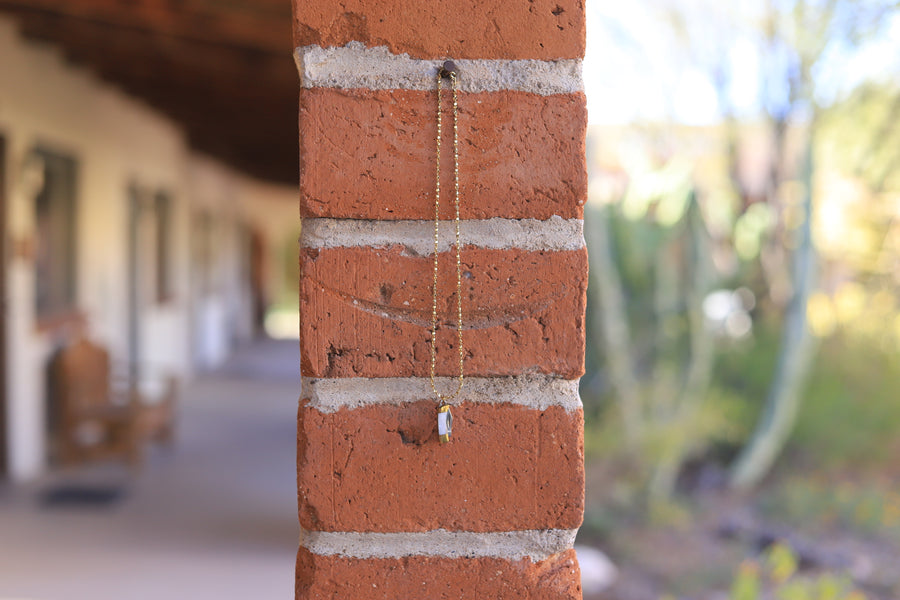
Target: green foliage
pixel 747 583
pixel 752 229
pixel 851 419
pixel 657 350
pixel 870 509
pixel 861 135
pixel 776 576
pixel 761 238
pixel 745 369
pixel 849 422
pixel 721 420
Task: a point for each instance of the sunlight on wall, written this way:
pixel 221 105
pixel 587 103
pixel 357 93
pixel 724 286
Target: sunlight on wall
pixel 283 324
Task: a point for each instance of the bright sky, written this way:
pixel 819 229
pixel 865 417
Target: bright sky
pixel 634 71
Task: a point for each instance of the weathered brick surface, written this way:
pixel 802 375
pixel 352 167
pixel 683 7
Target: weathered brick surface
pixel 366 312
pixel 431 578
pixel 539 29
pixel 381 468
pixel 370 154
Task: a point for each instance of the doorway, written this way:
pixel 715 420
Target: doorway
pixel 135 280
pixel 149 265
pixel 4 461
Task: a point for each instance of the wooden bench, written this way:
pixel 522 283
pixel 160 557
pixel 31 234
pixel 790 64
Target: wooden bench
pixel 98 417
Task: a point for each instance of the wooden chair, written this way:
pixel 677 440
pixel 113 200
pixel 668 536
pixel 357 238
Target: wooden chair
pixel 97 419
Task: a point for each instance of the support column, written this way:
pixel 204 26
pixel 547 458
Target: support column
pixel 386 510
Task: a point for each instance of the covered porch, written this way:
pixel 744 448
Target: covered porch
pixel 213 518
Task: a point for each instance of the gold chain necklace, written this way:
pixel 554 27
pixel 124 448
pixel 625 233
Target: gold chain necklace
pixel 445 419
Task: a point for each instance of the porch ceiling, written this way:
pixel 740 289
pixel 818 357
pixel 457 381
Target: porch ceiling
pixel 221 68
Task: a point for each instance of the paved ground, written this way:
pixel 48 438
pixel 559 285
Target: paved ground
pixel 214 518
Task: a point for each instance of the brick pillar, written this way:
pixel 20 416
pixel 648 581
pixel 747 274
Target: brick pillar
pixel 386 510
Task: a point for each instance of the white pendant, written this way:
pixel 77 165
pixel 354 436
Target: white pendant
pixel 445 423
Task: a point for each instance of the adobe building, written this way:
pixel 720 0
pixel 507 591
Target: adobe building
pixel 123 218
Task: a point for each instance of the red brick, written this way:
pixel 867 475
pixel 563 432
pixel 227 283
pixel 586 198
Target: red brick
pixel 381 468
pixel 366 312
pixel 370 155
pixel 430 578
pixel 539 29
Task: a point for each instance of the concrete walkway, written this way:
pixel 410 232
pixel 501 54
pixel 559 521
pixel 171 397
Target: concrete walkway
pixel 214 518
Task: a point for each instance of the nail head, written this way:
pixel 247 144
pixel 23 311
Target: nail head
pixel 448 69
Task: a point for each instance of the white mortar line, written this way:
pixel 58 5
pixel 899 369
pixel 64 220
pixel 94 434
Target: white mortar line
pixel 355 66
pixel 533 391
pixel 554 234
pixel 512 545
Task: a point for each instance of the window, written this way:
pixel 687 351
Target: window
pixel 163 213
pixel 55 232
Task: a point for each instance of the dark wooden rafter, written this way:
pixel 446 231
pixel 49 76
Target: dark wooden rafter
pixel 252 24
pixel 222 69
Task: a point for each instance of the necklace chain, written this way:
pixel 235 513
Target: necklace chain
pixel 454 84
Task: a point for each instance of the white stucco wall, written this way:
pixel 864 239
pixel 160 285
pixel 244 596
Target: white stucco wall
pixel 116 141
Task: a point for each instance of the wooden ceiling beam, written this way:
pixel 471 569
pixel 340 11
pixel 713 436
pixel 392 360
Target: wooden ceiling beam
pixel 235 101
pixel 152 50
pixel 262 25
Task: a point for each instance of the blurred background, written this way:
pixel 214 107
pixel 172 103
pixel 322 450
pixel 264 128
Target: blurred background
pixel 148 175
pixel 742 394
